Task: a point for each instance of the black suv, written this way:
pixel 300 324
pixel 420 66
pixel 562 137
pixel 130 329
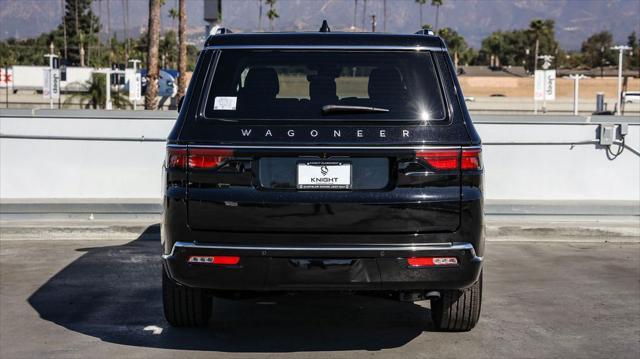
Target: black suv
pixel 324 162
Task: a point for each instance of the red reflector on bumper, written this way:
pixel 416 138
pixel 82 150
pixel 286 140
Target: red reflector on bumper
pixel 226 260
pixel 432 261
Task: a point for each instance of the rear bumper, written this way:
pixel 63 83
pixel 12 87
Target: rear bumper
pixel 362 267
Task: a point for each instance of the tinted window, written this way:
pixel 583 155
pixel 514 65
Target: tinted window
pixel 296 85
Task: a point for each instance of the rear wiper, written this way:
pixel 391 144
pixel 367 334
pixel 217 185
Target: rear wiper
pixel 331 109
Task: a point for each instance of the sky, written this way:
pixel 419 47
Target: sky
pixel 474 19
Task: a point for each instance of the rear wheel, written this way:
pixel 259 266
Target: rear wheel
pixel 184 306
pixel 457 310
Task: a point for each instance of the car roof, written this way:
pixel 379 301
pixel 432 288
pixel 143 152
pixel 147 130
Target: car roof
pixel 340 39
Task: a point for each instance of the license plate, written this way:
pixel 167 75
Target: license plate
pixel 324 175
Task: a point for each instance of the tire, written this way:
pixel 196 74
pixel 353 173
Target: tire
pixel 457 310
pixel 184 306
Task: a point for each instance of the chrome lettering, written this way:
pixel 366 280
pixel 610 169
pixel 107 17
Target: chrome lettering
pixel 291 133
pixel 313 133
pixel 245 132
pixel 268 133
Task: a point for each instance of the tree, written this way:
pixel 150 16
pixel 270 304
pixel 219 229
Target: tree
pixel 513 48
pixel 259 15
pixel 537 28
pixel 457 45
pixel 125 18
pixel 95 96
pixel 173 14
pixel 182 45
pixel 596 50
pixel 150 97
pixel 493 46
pixel 168 50
pixel 272 14
pixel 633 55
pixel 80 25
pixel 437 4
pixel 421 4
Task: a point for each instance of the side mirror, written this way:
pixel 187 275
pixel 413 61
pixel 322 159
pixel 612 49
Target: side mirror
pixel 180 103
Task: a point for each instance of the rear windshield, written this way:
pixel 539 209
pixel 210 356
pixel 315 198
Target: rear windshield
pixel 351 85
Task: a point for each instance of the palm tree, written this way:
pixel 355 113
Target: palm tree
pixel 538 28
pixel 182 46
pixel 95 96
pixel 260 15
pixel 173 14
pixel 150 97
pixel 355 14
pixel 272 14
pixel 455 43
pixel 437 4
pixel 421 3
pixel 125 18
pixel 364 14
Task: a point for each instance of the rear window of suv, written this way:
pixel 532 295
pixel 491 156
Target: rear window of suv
pixel 255 84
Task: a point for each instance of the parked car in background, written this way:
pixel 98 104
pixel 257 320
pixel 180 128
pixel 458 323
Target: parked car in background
pixel 167 84
pixel 631 97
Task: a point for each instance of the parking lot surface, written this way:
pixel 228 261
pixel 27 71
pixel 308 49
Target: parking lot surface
pixel 69 298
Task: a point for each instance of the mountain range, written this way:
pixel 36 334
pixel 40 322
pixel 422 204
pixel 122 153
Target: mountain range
pixel 474 19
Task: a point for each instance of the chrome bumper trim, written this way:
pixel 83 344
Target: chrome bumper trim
pixel 405 248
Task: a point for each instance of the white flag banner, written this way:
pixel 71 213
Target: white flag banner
pixel 545 85
pixel 46 85
pixel 55 84
pixel 134 82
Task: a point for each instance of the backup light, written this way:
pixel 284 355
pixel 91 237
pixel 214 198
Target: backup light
pixel 176 157
pixel 432 261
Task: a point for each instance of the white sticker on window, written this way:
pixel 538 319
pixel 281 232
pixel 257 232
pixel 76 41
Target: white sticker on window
pixel 224 103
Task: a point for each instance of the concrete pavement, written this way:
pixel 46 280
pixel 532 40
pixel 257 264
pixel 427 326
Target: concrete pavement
pixel 97 298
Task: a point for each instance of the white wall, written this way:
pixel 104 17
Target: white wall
pixel 81 169
pixel 557 172
pixel 47 169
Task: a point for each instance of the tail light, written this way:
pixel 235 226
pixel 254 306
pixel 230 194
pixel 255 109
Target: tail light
pixel 203 158
pixel 444 160
pixel 198 158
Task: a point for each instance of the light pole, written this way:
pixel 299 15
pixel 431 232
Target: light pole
pixel 621 49
pixel 576 91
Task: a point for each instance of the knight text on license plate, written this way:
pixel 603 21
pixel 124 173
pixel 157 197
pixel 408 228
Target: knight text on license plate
pixel 324 175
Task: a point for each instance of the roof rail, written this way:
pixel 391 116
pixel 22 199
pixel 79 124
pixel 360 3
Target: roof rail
pixel 425 32
pixel 223 30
